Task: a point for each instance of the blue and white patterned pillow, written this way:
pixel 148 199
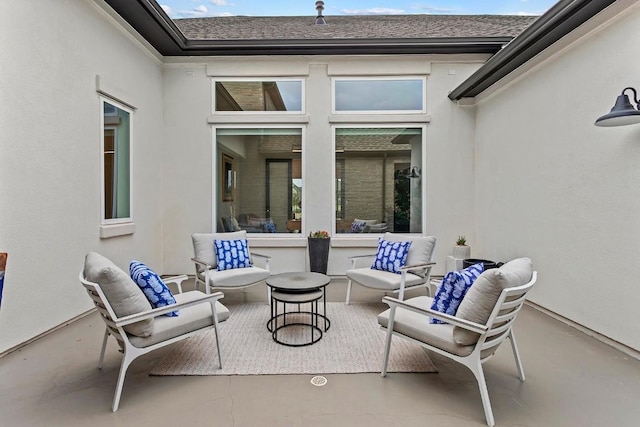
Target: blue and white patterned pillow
pixel 453 288
pixel 152 286
pixel 357 226
pixel 391 256
pixel 232 254
pixel 269 226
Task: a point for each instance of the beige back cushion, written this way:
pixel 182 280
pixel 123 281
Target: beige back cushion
pixel 421 249
pixel 203 248
pixel 483 295
pixel 124 296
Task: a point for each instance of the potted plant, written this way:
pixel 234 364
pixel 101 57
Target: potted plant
pixel 318 242
pixel 461 250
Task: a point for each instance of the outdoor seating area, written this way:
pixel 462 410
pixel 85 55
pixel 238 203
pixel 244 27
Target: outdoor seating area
pixel 316 214
pixel 65 385
pixel 143 314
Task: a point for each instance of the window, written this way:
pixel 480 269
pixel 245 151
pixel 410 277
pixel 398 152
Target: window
pixel 378 184
pixel 261 180
pixel 116 162
pixel 395 95
pixel 258 96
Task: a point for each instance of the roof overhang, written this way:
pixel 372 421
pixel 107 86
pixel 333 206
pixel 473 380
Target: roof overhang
pixel 557 22
pixel 152 23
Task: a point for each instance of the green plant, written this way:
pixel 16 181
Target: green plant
pixel 461 241
pixel 319 234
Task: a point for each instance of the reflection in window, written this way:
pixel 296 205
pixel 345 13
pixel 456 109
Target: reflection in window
pixel 261 185
pixel 379 95
pixel 282 95
pixel 376 190
pixel 116 147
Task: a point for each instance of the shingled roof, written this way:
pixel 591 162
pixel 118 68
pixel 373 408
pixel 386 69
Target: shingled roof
pixel 353 27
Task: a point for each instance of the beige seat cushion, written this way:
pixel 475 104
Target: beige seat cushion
pixel 384 280
pixel 417 326
pixel 421 250
pixel 190 319
pixel 124 296
pixel 204 249
pixel 483 295
pixel 236 277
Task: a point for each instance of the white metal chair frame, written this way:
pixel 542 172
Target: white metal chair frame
pixel 498 328
pixel 114 326
pixel 208 268
pixel 426 267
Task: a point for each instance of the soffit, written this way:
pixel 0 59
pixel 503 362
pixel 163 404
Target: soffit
pixel 564 17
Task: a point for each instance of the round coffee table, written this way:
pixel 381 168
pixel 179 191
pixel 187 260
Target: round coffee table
pixel 298 288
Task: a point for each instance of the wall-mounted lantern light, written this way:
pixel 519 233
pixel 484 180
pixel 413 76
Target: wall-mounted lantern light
pixel 623 112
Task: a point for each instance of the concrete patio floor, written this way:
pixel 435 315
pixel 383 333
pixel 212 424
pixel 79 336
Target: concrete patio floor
pixel 572 380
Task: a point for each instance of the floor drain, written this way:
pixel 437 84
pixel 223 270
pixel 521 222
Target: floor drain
pixel 318 381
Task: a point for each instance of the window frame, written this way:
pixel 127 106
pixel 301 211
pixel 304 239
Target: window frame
pixel 423 79
pixel 216 80
pixel 215 173
pixel 114 221
pixel 422 166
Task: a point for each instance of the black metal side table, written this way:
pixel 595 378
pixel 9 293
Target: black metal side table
pixel 298 288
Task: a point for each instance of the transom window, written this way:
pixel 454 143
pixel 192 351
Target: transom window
pixel 383 95
pixel 259 95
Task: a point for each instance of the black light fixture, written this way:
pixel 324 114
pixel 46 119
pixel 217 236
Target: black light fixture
pixel 415 172
pixel 623 112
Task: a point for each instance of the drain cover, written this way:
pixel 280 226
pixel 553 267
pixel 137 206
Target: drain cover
pixel 318 381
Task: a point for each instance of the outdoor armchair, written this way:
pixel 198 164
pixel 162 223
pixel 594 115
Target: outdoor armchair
pixel 415 274
pixel 206 264
pixel 483 321
pixel 138 328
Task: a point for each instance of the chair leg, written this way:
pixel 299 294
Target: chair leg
pixel 215 326
pixel 348 292
pixel 126 361
pixel 478 372
pixel 516 355
pixel 104 347
pixel 403 281
pixel 387 345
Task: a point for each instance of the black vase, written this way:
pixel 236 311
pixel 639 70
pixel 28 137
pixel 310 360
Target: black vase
pixel 318 254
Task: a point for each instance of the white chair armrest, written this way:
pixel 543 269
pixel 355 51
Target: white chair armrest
pixel 416 266
pixel 265 258
pixel 260 255
pixel 455 321
pixel 177 280
pixel 149 314
pixel 202 263
pixel 354 259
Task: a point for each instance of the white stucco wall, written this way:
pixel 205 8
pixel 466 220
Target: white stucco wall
pixel 448 181
pixel 50 54
pixel 552 186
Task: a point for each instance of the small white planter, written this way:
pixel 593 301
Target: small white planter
pixel 462 251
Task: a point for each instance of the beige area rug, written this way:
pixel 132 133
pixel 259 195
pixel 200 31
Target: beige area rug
pixel 353 344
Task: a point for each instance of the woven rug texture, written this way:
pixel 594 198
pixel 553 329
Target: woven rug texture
pixel 353 344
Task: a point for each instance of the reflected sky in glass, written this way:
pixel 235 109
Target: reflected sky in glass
pixel 378 95
pixel 291 93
